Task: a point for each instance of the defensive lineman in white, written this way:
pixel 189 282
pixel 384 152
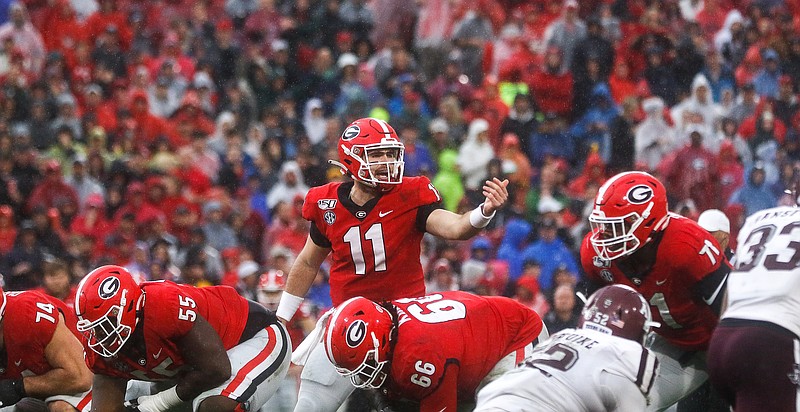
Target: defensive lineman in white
pixel 602 366
pixel 754 355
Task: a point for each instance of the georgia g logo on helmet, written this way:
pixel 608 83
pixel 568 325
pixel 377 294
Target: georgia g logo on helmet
pixel 640 194
pixel 108 287
pixel 356 333
pixel 351 133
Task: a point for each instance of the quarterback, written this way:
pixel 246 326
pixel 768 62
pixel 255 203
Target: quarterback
pixel 372 227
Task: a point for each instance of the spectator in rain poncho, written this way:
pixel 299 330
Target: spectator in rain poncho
pixel 754 195
pixel 697 109
pixel 314 121
pixel 290 184
pixel 474 155
pixel 593 127
pixel 512 245
pixel 654 137
pixel 448 180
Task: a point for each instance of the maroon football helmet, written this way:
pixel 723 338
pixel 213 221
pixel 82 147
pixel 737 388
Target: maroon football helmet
pixel 371 153
pixel 628 209
pixel 618 310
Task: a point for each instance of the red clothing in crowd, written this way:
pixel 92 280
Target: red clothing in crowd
pixel 731 171
pixel 552 91
pixel 63 31
pixel 148 127
pixel 99 21
pixel 695 175
pixel 51 191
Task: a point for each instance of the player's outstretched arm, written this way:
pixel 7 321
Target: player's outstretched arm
pixel 301 276
pixel 108 394
pixel 69 375
pixel 452 226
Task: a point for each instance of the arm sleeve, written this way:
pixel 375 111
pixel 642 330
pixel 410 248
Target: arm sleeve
pixel 318 237
pixel 711 288
pixel 422 215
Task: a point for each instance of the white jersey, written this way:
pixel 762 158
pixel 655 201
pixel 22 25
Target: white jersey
pixel 765 282
pixel 576 370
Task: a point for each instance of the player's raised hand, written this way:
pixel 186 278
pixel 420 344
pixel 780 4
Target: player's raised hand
pixel 496 195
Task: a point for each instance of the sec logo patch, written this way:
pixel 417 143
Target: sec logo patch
pixel 329 217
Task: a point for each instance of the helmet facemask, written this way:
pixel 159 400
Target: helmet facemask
pixel 370 373
pixel 615 237
pixel 376 170
pixel 107 334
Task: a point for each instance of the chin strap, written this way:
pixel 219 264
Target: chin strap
pixel 341 167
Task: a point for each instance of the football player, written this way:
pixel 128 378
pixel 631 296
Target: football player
pixel 674 263
pixel 754 356
pixel 601 366
pixel 436 350
pixel 224 352
pixel 372 226
pixel 42 356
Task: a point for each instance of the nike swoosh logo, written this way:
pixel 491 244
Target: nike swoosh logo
pixel 660 283
pixel 19 362
pixel 382 214
pixel 157 354
pixel 713 297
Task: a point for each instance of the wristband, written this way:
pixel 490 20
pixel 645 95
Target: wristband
pixel 478 220
pixel 167 399
pixel 288 306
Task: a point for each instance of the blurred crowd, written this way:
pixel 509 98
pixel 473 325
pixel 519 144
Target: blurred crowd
pixel 178 138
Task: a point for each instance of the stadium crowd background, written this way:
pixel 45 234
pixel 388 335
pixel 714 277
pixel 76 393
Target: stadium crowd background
pixel 178 138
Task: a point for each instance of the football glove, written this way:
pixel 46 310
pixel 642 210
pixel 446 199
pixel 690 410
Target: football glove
pixel 11 391
pixel 159 402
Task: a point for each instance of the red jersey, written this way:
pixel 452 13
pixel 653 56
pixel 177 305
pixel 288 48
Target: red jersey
pixel 466 333
pixel 375 247
pixel 686 254
pixel 29 324
pixel 169 312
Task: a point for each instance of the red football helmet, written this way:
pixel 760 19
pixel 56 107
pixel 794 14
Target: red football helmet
pixel 370 151
pixel 628 209
pixel 106 304
pixel 270 286
pixel 357 341
pixel 618 310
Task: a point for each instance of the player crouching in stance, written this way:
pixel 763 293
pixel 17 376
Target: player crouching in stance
pixel 601 366
pixel 224 352
pixel 436 350
pixel 42 358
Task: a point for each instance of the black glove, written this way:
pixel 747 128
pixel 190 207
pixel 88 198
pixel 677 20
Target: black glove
pixel 11 391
